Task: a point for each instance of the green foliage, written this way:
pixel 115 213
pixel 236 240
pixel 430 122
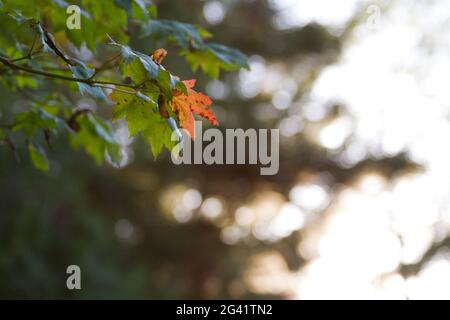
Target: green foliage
pixel 145 72
pixel 38 156
pixel 136 111
pixel 158 134
pixel 142 116
pixel 211 57
pixel 215 57
pixel 94 136
pixel 184 34
pixel 80 71
pixel 38 51
pixel 137 65
pixel 37 119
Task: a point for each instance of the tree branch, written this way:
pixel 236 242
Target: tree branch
pixel 104 66
pixel 408 270
pixel 88 81
pixel 6 126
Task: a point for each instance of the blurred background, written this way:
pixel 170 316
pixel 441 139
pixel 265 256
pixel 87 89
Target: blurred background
pixel 359 209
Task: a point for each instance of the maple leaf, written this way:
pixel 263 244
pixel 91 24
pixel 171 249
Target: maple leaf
pixel 142 117
pixel 195 102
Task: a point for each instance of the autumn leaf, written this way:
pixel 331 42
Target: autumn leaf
pixel 158 55
pixel 152 100
pixel 194 102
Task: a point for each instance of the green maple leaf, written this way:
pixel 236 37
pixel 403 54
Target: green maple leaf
pixel 215 57
pixel 31 121
pixel 95 137
pixel 142 116
pixel 38 156
pixel 81 71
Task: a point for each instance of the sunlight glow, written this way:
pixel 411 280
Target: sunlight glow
pixel 309 196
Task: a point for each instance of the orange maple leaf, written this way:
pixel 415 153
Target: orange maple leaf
pixel 195 102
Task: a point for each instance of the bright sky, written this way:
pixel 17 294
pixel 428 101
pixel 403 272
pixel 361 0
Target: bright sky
pixel 394 82
pixel 393 78
pixel 330 13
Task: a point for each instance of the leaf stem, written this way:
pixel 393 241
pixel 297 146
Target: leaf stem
pixel 104 66
pixel 29 55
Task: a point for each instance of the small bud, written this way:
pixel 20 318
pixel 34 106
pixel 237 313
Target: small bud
pixel 159 55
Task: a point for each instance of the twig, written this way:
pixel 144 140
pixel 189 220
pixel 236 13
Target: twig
pixel 13 148
pixel 104 66
pixel 88 81
pixel 48 38
pixel 47 139
pixel 29 55
pixel 6 126
pixel 114 88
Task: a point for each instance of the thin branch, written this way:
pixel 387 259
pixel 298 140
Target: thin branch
pixel 6 126
pixel 104 66
pixel 13 148
pixel 88 81
pixel 48 38
pixel 114 88
pixel 32 46
pixel 29 96
pixel 29 55
pixel 93 82
pixel 408 270
pixel 47 139
pixel 55 69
